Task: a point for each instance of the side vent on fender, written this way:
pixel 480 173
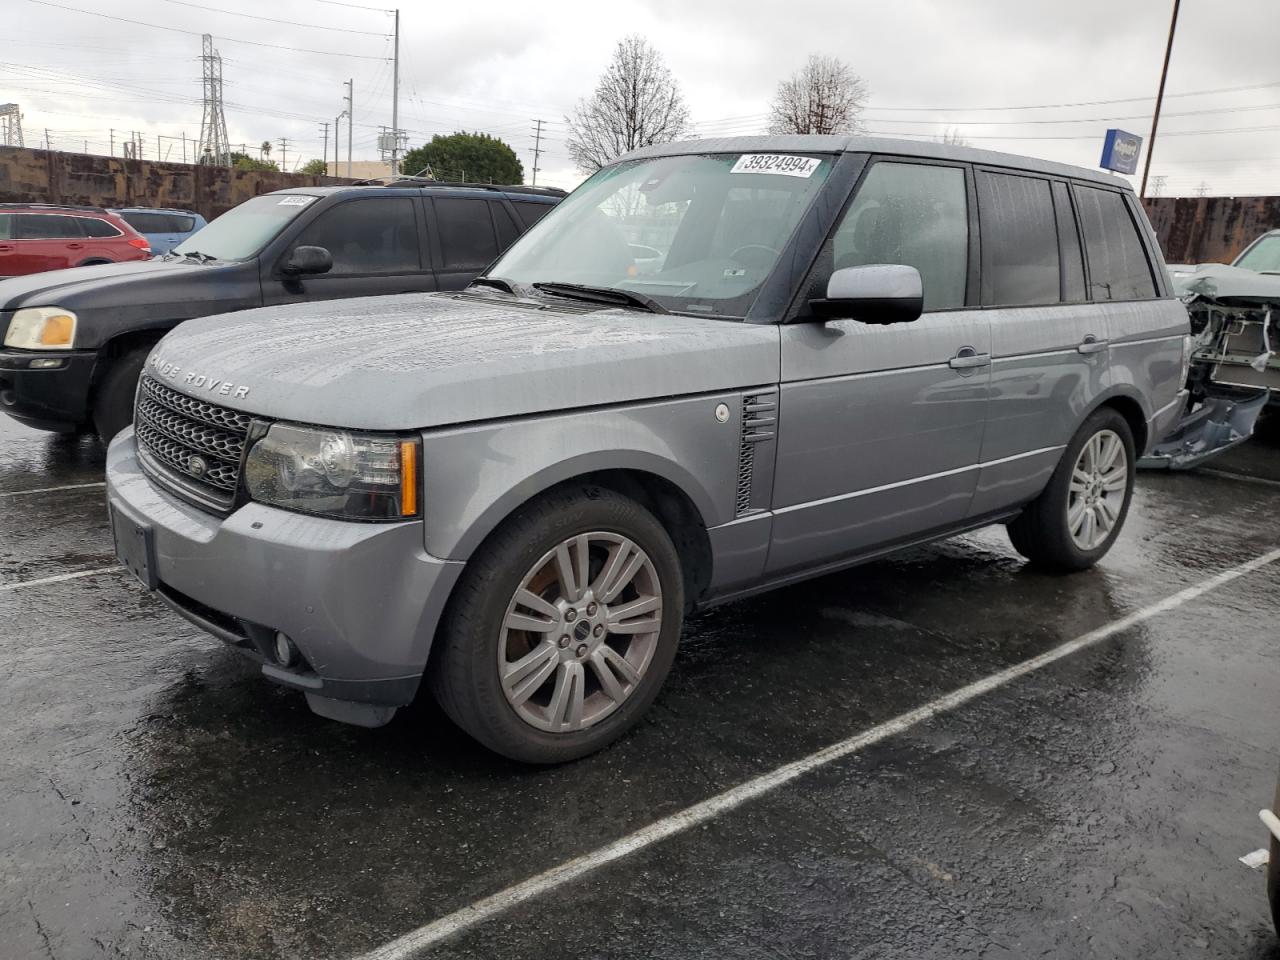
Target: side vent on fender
pixel 759 422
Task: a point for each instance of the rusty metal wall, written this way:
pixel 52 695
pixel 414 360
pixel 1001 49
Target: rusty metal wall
pixel 45 176
pixel 1210 229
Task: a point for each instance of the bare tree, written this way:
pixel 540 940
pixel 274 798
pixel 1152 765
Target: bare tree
pixel 954 137
pixel 637 103
pixel 823 96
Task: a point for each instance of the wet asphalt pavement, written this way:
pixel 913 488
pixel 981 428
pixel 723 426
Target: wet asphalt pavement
pixel 159 800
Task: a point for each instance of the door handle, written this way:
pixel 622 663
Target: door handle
pixel 75 246
pixel 968 358
pixel 5 248
pixel 1092 344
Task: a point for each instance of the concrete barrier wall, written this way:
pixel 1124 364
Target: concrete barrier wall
pixel 46 176
pixel 1210 229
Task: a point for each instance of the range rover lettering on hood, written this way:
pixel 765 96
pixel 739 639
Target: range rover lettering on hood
pixel 197 381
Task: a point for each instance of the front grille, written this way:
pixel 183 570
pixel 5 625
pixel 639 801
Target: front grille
pixel 191 447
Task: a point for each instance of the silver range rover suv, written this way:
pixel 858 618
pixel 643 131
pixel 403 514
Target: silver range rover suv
pixel 718 367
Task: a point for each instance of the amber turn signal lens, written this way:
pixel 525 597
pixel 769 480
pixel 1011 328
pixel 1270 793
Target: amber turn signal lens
pixel 58 331
pixel 408 478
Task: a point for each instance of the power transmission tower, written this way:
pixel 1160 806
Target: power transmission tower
pixel 1202 190
pixel 537 149
pixel 1157 185
pixel 11 125
pixel 284 154
pixel 214 146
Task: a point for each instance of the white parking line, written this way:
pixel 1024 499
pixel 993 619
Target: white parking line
pixel 416 941
pixel 1242 477
pixel 70 486
pixel 43 581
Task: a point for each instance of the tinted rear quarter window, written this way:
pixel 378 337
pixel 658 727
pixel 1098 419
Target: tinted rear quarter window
pixel 1020 262
pixel 530 212
pixel 45 226
pixel 466 232
pixel 1118 266
pixel 367 236
pixel 97 228
pixel 159 222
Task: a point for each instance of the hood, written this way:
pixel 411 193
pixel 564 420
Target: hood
pixel 142 283
pixel 428 360
pixel 1230 286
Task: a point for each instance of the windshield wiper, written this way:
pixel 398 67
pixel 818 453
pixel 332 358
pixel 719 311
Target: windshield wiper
pixel 496 282
pixel 195 254
pixel 610 295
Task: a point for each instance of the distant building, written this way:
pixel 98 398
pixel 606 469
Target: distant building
pixel 360 169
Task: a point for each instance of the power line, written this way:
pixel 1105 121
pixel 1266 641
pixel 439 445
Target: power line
pixel 196 33
pixel 288 23
pixel 1082 103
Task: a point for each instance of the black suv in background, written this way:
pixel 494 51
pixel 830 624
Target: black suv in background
pixel 75 340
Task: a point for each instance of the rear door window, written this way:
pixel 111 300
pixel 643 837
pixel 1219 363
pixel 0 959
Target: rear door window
pixel 97 228
pixel 6 226
pixel 1118 265
pixel 367 236
pixel 45 226
pixel 507 229
pixel 467 237
pixel 1020 260
pixel 913 214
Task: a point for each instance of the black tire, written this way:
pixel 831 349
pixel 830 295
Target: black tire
pixel 1041 532
pixel 113 399
pixel 463 673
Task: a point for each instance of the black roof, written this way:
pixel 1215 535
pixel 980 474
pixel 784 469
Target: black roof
pixel 461 184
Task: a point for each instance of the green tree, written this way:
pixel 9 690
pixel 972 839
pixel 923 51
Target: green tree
pixel 474 157
pixel 315 168
pixel 242 161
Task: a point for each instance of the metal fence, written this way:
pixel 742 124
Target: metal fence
pixel 1210 229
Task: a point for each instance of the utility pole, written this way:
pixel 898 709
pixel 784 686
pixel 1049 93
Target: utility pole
pixel 537 149
pixel 284 154
pixel 325 152
pixel 184 146
pixel 351 116
pixel 337 140
pixel 395 103
pixel 1155 117
pixel 112 149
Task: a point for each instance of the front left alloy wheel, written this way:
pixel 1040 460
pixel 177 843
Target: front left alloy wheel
pixel 563 627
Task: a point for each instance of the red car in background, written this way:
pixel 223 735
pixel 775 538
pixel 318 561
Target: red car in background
pixel 48 236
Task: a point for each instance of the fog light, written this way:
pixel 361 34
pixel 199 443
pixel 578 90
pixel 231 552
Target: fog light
pixel 286 652
pixel 45 363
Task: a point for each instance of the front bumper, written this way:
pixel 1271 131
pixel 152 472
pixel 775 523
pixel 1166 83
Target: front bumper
pixel 359 600
pixel 53 398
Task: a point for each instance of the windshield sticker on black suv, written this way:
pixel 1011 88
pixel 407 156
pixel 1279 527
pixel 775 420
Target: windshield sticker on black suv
pixel 780 163
pixel 295 201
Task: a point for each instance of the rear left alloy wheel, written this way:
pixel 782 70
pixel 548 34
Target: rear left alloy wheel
pixel 1076 519
pixel 563 627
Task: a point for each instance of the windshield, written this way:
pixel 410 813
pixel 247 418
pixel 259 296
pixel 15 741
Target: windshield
pixel 696 234
pixel 244 230
pixel 1263 256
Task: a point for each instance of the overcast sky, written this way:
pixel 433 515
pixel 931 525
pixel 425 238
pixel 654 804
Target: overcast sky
pixel 930 66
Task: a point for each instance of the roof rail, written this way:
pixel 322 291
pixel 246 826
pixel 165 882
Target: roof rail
pixel 83 208
pixel 405 181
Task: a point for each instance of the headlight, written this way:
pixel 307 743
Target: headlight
pixel 41 328
pixel 332 472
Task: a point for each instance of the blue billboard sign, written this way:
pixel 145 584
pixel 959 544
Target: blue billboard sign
pixel 1120 151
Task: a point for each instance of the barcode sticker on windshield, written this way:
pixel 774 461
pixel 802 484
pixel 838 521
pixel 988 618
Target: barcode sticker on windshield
pixel 295 201
pixel 780 163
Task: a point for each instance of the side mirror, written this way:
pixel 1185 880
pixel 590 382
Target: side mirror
pixel 874 293
pixel 307 260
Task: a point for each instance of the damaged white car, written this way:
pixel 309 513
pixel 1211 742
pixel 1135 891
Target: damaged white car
pixel 1235 363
